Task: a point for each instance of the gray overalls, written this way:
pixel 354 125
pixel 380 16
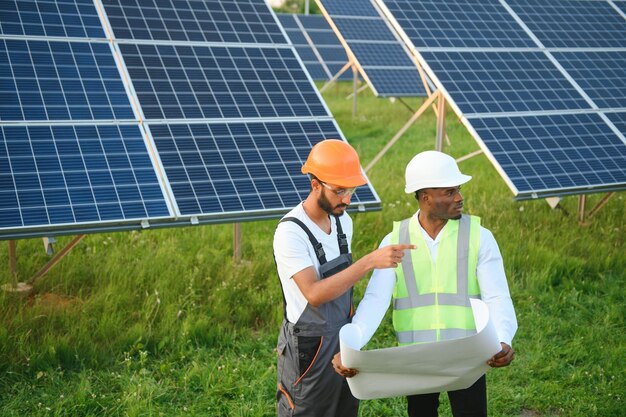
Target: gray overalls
pixel 307 383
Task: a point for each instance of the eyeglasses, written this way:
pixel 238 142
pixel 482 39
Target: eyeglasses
pixel 340 192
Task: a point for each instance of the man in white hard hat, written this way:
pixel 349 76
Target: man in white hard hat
pixel 456 259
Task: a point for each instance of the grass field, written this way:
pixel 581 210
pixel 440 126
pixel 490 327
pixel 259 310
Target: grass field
pixel 165 323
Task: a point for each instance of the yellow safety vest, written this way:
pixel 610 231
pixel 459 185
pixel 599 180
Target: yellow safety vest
pixel 431 300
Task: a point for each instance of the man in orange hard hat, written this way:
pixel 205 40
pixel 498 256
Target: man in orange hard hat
pixel 312 253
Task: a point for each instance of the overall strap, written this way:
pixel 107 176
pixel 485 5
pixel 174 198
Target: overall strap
pixel 317 246
pixel 341 237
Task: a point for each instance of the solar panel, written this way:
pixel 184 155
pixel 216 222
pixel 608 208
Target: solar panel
pixel 316 44
pixel 573 24
pixel 619 120
pixel 493 82
pixel 601 74
pixel 221 21
pixel 201 82
pixel 60 81
pixel 545 154
pixel 108 133
pixel 68 175
pixel 255 166
pixel 621 5
pixel 382 59
pixel 457 23
pixel 539 84
pixel 52 18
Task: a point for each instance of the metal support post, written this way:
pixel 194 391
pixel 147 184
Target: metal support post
pixel 13 261
pixel 469 155
pixel 600 204
pixel 441 122
pixel 55 259
pixel 361 88
pixel 355 81
pixel 582 200
pixel 336 76
pixel 404 128
pixel 237 242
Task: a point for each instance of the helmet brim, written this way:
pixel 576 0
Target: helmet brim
pixel 347 182
pixel 459 179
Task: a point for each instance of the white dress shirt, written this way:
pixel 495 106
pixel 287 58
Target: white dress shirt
pixel 494 290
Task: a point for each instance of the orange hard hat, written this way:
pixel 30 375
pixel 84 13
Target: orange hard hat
pixel 335 162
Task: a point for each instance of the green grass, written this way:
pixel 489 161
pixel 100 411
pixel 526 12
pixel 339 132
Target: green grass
pixel 163 322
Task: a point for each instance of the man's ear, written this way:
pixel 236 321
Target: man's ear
pixel 315 184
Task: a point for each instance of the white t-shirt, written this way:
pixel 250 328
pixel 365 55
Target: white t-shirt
pixel 494 289
pixel 294 252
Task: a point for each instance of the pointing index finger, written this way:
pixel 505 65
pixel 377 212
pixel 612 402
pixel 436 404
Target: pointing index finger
pixel 404 246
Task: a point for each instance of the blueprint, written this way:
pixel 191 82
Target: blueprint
pixel 421 368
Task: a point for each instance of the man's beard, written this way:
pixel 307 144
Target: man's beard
pixel 326 206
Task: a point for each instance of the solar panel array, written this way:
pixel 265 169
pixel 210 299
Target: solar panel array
pixel 383 60
pixel 316 44
pixel 540 84
pixel 151 113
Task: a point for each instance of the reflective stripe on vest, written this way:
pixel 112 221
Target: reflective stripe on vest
pixel 430 307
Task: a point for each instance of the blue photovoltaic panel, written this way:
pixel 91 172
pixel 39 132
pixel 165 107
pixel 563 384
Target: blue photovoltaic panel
pixel 330 53
pixel 334 55
pixel 219 168
pixel 384 61
pixel 313 22
pixel 306 53
pixel 402 81
pixel 324 38
pixel 63 175
pixel 287 21
pixel 176 82
pixel 495 82
pixel 326 43
pixel 458 23
pixel 357 8
pixel 541 152
pixel 621 5
pixel 370 54
pixel 58 18
pixel 572 24
pixel 73 157
pixel 311 61
pixel 240 21
pixel 601 74
pixel 546 154
pixel 60 81
pixel 372 30
pixel 619 120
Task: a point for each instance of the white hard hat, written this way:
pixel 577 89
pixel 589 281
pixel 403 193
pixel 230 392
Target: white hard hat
pixel 433 169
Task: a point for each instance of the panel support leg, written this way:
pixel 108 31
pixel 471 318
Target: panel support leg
pixel 600 204
pixel 237 242
pixel 582 201
pixel 355 82
pixel 55 260
pixel 404 128
pixel 336 76
pixel 13 261
pixel 441 123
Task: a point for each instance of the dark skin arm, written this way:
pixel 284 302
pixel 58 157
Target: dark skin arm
pixel 342 370
pixel 502 358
